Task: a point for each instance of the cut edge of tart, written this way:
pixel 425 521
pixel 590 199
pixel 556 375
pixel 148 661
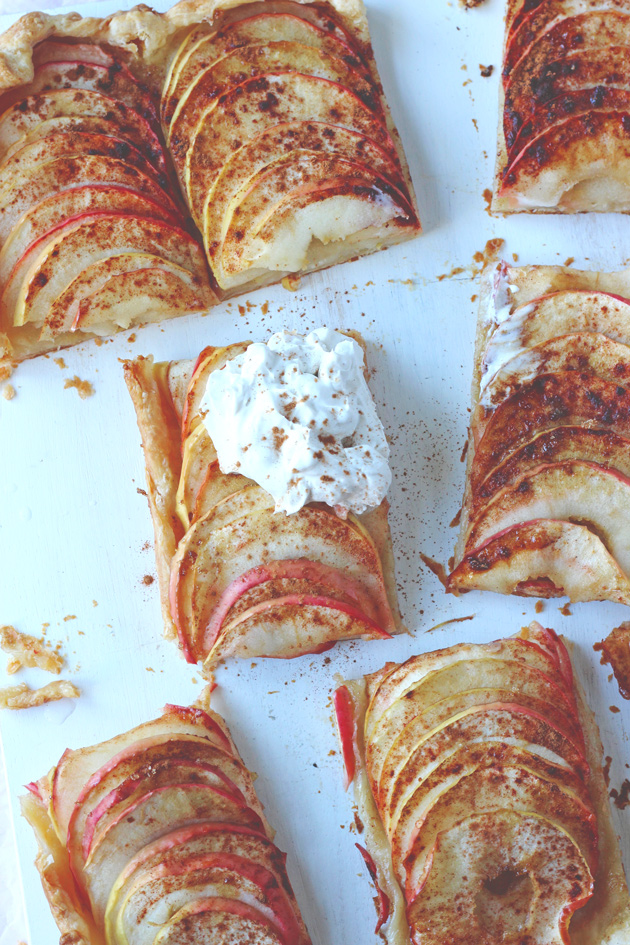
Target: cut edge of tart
pixel 604 920
pixel 159 392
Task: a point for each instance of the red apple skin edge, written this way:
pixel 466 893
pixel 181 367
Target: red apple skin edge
pixel 383 904
pixel 346 722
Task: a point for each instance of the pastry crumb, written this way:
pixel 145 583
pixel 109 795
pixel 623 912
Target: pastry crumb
pixel 23 697
pixel 8 391
pixel 486 71
pixel 470 4
pixel 291 283
pixel 148 579
pixel 264 308
pixel 60 363
pixel 69 617
pixel 6 370
pixel 83 388
pixel 28 651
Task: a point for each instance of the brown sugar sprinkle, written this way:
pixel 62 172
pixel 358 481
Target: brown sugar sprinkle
pixel 8 391
pixel 60 363
pixel 615 650
pixel 83 388
pixel 621 798
pixel 23 697
pixel 28 651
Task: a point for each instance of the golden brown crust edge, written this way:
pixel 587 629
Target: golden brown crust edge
pixel 606 921
pixel 160 432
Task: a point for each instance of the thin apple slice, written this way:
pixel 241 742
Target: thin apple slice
pixel 216 921
pixel 72 309
pixel 558 445
pixel 272 145
pixel 581 161
pixel 208 559
pixel 77 767
pixel 549 114
pixel 23 118
pixel 488 791
pixel 544 559
pixel 579 492
pixel 52 211
pixel 202 48
pixel 73 144
pixel 160 892
pixel 407 676
pixel 199 452
pixel 460 903
pixel 149 146
pixel 152 816
pixel 115 81
pixel 185 843
pixel 568 398
pixel 264 101
pixel 582 351
pixel 260 60
pixel 53 177
pixel 56 50
pixel 304 199
pixel 132 299
pixel 68 250
pixel 211 359
pixel 215 487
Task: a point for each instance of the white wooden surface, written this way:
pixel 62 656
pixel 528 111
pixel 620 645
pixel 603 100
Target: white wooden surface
pixel 74 529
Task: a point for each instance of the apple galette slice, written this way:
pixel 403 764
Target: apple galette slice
pixel 93 236
pixel 158 836
pixel 548 487
pixel 283 142
pixel 565 108
pixel 478 777
pixel 267 469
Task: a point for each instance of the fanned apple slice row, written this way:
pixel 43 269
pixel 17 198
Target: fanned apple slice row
pixel 580 492
pixel 198 454
pixel 247 62
pixel 125 271
pixel 258 104
pixel 66 252
pixel 67 204
pixel 143 296
pixel 115 81
pixel 487 791
pixel 211 359
pixel 573 559
pixel 533 653
pixel 175 850
pixel 588 155
pixel 303 199
pixel 32 115
pixel 569 398
pixel 504 843
pixel 216 920
pixel 558 445
pixel 77 767
pixel 209 559
pixel 155 814
pixel 159 893
pixel 73 144
pixel 205 49
pixel 584 351
pixel 53 177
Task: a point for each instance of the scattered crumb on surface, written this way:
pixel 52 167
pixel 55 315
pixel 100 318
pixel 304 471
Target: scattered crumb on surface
pixel 60 363
pixel 470 4
pixel 621 798
pixel 148 579
pixel 6 370
pixel 149 669
pixel 69 617
pixel 98 342
pixel 8 391
pixel 264 308
pixel 565 610
pixel 94 603
pixel 615 650
pixel 569 261
pixel 614 709
pixel 456 520
pixel 83 388
pixel 438 569
pixel 291 283
pixel 23 697
pixel 486 71
pixel 606 770
pixel 131 338
pixel 540 606
pixel 487 196
pixel 26 650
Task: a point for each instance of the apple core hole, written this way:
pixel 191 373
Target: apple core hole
pixel 504 903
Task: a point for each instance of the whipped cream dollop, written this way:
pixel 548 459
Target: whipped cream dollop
pixel 297 417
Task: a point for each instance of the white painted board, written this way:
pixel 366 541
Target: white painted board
pixel 74 529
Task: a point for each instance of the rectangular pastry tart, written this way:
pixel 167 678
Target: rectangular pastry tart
pixel 564 144
pixel 267 468
pixel 547 504
pixel 156 837
pixel 138 150
pixel 478 778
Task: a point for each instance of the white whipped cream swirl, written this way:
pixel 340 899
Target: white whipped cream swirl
pixel 297 417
